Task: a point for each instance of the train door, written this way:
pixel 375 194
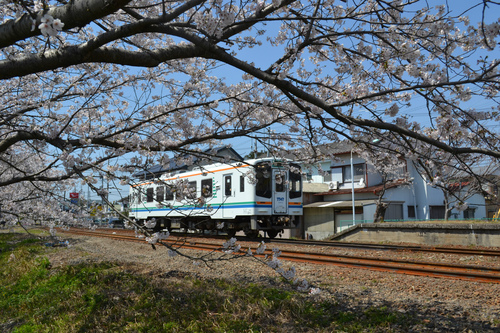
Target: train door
pixel 228 193
pixel 280 193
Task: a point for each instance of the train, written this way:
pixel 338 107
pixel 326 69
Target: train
pixel 255 195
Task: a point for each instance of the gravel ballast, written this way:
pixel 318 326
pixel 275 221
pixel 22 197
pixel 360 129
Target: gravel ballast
pixel 441 305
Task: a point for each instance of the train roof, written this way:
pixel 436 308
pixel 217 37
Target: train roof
pixel 178 165
pixel 215 167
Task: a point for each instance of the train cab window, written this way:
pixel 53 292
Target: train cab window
pixel 150 194
pixel 160 193
pixel 206 187
pixel 280 182
pixel 263 176
pixel 228 186
pixel 191 193
pixel 295 182
pixel 242 183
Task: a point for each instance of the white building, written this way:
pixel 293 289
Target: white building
pixel 328 193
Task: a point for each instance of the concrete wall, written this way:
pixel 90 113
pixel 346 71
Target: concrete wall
pixel 464 234
pixel 320 222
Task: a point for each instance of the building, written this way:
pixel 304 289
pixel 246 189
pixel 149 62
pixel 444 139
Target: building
pixel 331 185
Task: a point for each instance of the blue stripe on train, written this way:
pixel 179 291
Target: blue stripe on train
pixel 224 206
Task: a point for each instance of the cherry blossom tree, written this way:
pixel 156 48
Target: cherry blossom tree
pixel 34 201
pixel 389 164
pixel 86 82
pixel 95 80
pixel 459 178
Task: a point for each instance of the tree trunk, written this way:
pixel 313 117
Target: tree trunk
pixel 447 209
pixel 380 212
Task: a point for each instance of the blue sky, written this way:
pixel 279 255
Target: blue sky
pixel 265 55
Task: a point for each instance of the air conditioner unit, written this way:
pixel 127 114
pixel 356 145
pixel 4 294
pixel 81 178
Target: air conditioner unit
pixel 334 185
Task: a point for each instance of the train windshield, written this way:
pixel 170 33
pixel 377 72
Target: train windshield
pixel 263 176
pixel 295 181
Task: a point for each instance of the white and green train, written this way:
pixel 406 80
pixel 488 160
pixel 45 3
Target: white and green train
pixel 261 194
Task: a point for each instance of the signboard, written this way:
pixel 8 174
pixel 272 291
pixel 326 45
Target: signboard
pixel 73 197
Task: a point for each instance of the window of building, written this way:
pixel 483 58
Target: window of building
pixel 342 174
pixel 411 212
pixel 327 177
pixel 307 176
pixel 359 173
pixel 394 212
pixel 437 212
pixel 469 213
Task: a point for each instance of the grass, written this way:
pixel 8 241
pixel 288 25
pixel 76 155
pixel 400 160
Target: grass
pixel 35 297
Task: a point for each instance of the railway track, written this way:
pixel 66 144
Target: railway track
pixel 390 247
pixel 418 268
pixel 353 245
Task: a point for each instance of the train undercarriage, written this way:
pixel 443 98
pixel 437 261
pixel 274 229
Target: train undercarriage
pixel 249 225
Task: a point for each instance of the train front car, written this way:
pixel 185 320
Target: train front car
pixel 253 196
pixel 278 197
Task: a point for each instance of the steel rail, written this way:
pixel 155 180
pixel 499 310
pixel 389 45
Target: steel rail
pixel 392 247
pixel 418 268
pixel 354 245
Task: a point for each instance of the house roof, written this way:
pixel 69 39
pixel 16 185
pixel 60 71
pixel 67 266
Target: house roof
pixel 458 185
pixel 334 204
pixel 314 187
pixel 323 150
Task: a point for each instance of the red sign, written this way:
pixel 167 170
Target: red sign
pixel 73 195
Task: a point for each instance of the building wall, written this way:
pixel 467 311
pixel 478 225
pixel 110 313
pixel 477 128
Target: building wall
pixel 319 222
pixel 324 222
pixel 427 197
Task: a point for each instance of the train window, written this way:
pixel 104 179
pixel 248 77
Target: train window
pixel 150 194
pixel 206 187
pixel 179 193
pixel 263 176
pixel 134 197
pixel 169 194
pixel 280 182
pixel 228 187
pixel 160 192
pixel 242 183
pixel 295 181
pixel 191 190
